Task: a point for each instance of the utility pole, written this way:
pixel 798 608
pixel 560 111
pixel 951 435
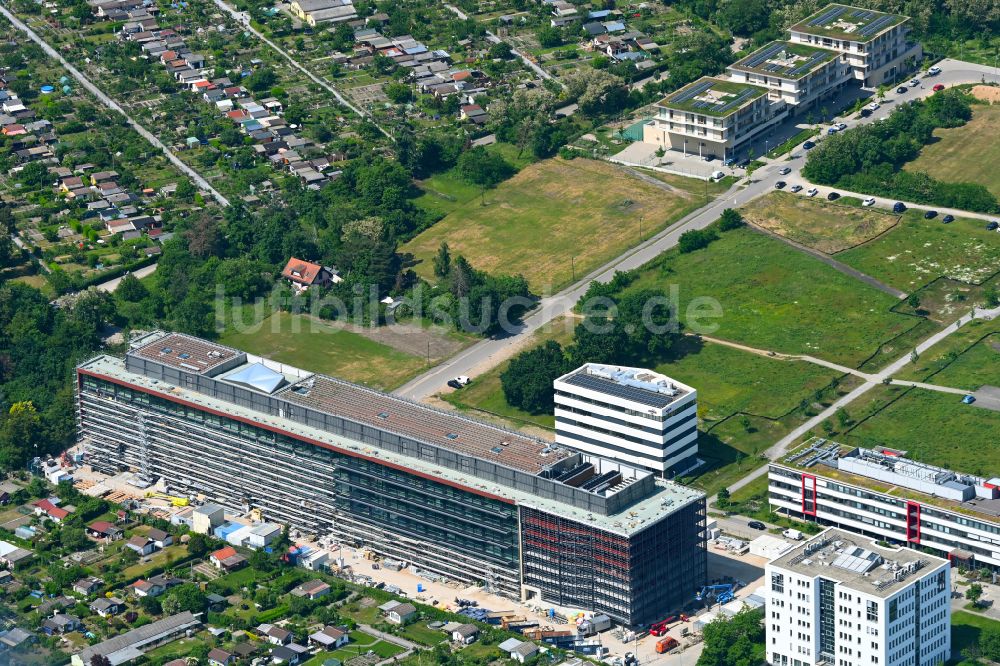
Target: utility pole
pixel 572 263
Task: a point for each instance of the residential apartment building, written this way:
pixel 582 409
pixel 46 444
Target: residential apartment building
pixel 841 600
pixel 875 44
pixel 713 117
pixel 884 495
pixel 799 75
pixel 632 415
pixel 475 503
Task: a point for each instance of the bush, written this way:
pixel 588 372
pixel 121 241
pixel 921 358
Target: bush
pixel 696 239
pixel 730 220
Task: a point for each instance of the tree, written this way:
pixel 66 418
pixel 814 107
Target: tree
pixel 197 545
pixel 150 605
pixel 730 219
pixel 696 239
pixel 131 289
pixel 442 261
pixel 913 300
pixel 974 593
pixel 737 641
pixel 73 539
pixel 723 498
pixel 501 51
pixel 19 435
pixel 261 80
pixel 549 37
pixel 99 659
pixel 527 381
pixel 398 93
pixel 484 168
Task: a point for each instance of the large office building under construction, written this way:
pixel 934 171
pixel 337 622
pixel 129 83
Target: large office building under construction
pixel 451 495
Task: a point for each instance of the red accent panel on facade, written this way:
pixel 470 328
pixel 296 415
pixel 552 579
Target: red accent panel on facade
pixel 912 522
pixel 301 438
pixel 808 503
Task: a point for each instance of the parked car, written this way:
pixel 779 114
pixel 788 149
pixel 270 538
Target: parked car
pixel 930 215
pixel 914 83
pixel 841 126
pixel 902 89
pixel 868 201
pixel 795 188
pixel 812 191
pixel 784 171
pixel 808 145
pixel 948 218
pixel 992 226
pixel 934 70
pixel 756 525
pixel 833 196
pixel 780 184
pixel 831 130
pixel 874 106
pixel 718 175
pixel 969 399
pixel 938 87
pixel 458 382
pixel 865 113
pixel 898 207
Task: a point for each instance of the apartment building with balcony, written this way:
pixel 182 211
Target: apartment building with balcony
pixel 469 501
pixel 875 44
pixel 841 600
pixel 799 75
pixel 883 494
pixel 713 117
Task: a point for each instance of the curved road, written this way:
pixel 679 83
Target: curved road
pixel 243 18
pixel 111 104
pixel 488 353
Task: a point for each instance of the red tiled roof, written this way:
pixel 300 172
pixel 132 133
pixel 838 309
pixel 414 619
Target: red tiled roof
pixel 303 272
pixel 101 526
pixel 223 553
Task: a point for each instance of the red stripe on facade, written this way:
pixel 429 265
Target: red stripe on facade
pixel 811 510
pixel 301 438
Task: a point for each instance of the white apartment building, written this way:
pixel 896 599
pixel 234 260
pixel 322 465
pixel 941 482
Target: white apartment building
pixel 842 600
pixel 882 494
pixel 874 43
pixel 713 117
pixel 631 415
pixel 799 75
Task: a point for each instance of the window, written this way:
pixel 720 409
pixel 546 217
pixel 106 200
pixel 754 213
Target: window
pixel 778 582
pixel 893 610
pixel 872 611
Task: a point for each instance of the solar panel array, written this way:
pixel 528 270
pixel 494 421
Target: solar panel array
pixel 811 62
pixel 735 102
pixel 610 387
pixel 829 15
pixel 876 25
pixel 693 91
pixel 765 54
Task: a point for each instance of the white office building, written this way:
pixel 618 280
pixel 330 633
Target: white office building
pixel 632 415
pixel 842 600
pixel 884 495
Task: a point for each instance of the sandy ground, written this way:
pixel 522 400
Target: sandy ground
pixel 989 94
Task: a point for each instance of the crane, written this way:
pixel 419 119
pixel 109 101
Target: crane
pixel 722 593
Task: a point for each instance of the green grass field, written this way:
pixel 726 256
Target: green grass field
pixel 966 628
pixel 974 367
pixel 777 298
pixel 930 366
pixel 936 428
pixel 822 225
pixel 552 220
pixel 918 251
pixel 968 154
pixel 315 346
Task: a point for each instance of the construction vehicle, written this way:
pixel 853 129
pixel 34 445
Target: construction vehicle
pixel 173 499
pixel 369 555
pixel 722 593
pixel 665 645
pixel 661 627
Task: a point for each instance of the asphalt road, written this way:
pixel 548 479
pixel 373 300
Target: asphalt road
pixel 486 354
pixel 111 104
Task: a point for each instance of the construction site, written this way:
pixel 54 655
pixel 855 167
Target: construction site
pixel 453 498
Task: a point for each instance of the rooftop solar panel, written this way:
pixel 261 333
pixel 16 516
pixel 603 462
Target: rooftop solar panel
pixel 755 59
pixel 608 387
pixel 808 64
pixel 876 25
pixel 827 16
pixel 694 90
pixel 739 99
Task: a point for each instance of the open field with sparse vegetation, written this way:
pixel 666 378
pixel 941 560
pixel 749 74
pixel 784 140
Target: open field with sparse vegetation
pixel 553 220
pixel 822 225
pixel 774 297
pixel 967 154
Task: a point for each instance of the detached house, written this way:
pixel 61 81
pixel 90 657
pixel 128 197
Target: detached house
pixel 304 274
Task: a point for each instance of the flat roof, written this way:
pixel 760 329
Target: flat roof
pixel 787 60
pixel 850 23
pixel 411 419
pixel 638 385
pixel 857 562
pixel 985 509
pixel 184 351
pixel 667 499
pixel 713 96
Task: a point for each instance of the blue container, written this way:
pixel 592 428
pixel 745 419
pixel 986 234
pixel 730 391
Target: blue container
pixel 47 89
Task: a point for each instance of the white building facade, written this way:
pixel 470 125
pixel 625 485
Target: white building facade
pixel 838 599
pixel 631 415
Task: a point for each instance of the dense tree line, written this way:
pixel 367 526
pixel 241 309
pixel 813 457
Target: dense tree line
pixel 734 641
pixel 870 158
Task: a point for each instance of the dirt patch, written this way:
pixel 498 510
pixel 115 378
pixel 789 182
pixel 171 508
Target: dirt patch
pixel 407 338
pixel 829 228
pixel 989 94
